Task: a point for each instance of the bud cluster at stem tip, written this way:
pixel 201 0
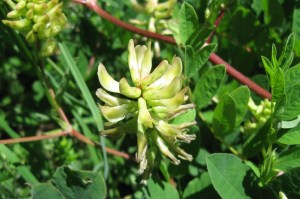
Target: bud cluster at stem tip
pixel 159 14
pixel 38 20
pixel 261 113
pixel 145 105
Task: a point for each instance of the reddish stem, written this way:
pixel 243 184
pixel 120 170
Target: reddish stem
pixel 217 22
pixel 34 138
pixel 74 133
pixel 240 77
pixel 86 140
pixel 59 110
pixel 92 4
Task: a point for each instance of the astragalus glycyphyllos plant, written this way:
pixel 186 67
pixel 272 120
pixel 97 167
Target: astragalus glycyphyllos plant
pixel 38 20
pixel 147 107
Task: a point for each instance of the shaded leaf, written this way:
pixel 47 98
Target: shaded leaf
pixel 208 85
pixel 188 22
pixel 195 60
pixel 288 183
pixel 46 191
pixel 189 116
pixel 289 159
pixel 200 188
pixel 224 116
pixel 79 184
pixel 292 77
pixel 296 29
pixel 292 105
pixel 273 13
pixel 290 137
pixel 241 98
pixel 160 190
pixel 254 143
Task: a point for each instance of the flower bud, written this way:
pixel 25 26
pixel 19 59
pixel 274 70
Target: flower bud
pixel 282 195
pixel 20 25
pixel 48 47
pixel 38 20
pixel 31 37
pixel 21 5
pixel 15 14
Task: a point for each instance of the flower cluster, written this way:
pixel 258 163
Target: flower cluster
pixel 146 107
pixel 261 114
pixel 38 20
pixel 159 14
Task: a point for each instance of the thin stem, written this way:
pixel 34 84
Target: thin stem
pixel 75 134
pixel 92 4
pixel 217 22
pixel 240 77
pixel 34 138
pixel 49 91
pixel 86 140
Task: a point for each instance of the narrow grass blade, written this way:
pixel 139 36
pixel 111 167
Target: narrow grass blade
pixel 87 97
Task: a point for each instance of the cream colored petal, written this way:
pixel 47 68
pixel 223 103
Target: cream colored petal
pixel 147 165
pixel 167 92
pixel 156 74
pixel 182 154
pixel 144 115
pixel 147 62
pixel 172 72
pixel 180 110
pixel 163 147
pixel 127 90
pixel 171 103
pixel 106 80
pixel 133 65
pixel 116 113
pixel 109 99
pixel 172 133
pixel 178 151
pixel 140 53
pixel 141 143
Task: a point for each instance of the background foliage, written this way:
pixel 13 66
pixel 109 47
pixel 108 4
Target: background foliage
pixel 232 159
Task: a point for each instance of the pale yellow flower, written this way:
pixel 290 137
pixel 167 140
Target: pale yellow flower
pixel 146 106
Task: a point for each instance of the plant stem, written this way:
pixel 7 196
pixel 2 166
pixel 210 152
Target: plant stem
pixel 34 138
